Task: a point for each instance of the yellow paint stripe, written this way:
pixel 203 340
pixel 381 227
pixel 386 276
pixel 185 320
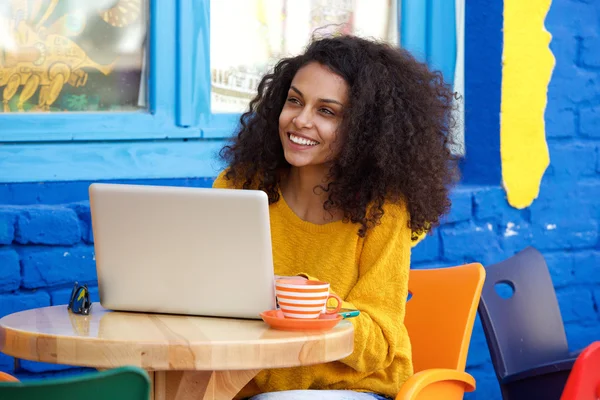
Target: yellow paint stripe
pixel 527 69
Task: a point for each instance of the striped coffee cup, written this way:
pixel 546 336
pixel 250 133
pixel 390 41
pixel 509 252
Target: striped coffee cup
pixel 304 299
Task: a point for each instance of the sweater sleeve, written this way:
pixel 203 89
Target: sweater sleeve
pixel 380 293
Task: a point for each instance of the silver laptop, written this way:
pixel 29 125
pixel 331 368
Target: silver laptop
pixel 183 250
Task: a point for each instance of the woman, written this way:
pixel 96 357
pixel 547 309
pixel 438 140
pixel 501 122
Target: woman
pixel 350 142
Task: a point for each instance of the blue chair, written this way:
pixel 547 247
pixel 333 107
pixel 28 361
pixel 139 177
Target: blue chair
pixel 524 329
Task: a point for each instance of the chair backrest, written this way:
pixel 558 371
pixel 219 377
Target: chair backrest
pixel 440 314
pixel 120 383
pixel 584 379
pixel 525 328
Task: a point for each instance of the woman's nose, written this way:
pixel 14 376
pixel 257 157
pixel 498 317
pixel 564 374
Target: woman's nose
pixel 303 120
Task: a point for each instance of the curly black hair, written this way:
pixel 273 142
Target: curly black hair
pixel 395 134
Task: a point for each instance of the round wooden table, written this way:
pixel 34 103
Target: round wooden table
pixel 186 357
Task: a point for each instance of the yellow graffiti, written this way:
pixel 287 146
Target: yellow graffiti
pixel 527 69
pixel 43 57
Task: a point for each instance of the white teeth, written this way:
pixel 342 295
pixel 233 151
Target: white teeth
pixel 302 141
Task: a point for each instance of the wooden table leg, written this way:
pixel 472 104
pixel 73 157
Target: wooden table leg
pixel 151 376
pixel 200 385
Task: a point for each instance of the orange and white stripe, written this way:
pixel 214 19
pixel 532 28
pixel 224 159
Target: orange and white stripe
pixel 302 300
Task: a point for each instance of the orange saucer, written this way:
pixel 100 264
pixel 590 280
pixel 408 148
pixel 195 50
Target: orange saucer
pixel 276 320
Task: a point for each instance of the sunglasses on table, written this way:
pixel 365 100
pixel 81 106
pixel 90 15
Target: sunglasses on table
pixel 80 300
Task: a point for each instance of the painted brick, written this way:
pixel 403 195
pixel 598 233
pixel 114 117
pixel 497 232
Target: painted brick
pixel 48 266
pixel 565 232
pixel 572 85
pixel 467 242
pixel 491 203
pixel 48 225
pixel 515 236
pixel 576 304
pixel 581 22
pixel 572 160
pixel 567 45
pixel 85 220
pixel 15 302
pixel 62 296
pixel 8 218
pixel 426 250
pixel 487 384
pixel 578 199
pixel 589 122
pixel 590 51
pixel 462 206
pixel 7 363
pixel 596 294
pixel 24 376
pixel 561 267
pixel 561 123
pixel 70 192
pixel 580 335
pixel 10 270
pixel 434 264
pixel 479 353
pixel 37 367
pixel 586 267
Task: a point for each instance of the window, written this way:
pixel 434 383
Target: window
pixel 268 30
pixel 118 89
pixel 137 118
pixel 273 29
pixel 62 57
pixel 91 70
pixel 433 31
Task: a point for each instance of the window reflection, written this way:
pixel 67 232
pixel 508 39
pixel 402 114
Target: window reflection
pixel 247 37
pixel 72 55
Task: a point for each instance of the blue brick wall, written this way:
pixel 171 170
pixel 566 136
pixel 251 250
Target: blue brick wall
pixel 46 244
pixel 46 241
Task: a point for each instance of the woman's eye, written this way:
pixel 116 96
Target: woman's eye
pixel 293 100
pixel 327 111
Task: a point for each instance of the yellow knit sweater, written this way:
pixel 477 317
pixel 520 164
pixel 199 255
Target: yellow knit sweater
pixel 370 274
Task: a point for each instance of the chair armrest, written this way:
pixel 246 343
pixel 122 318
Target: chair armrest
pixel 4 377
pixel 436 383
pixel 565 364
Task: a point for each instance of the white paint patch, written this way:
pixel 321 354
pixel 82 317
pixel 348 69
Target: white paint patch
pixel 509 231
pixel 550 227
pixel 490 227
pixel 66 254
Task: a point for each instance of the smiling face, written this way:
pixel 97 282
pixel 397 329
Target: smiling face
pixel 311 115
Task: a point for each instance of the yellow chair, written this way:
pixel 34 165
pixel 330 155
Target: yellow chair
pixel 439 319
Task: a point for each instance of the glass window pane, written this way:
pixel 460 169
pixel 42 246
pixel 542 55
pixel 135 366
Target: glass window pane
pixel 272 29
pixel 73 55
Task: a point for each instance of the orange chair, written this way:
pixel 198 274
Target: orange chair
pixel 439 319
pixel 4 377
pixel 584 379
